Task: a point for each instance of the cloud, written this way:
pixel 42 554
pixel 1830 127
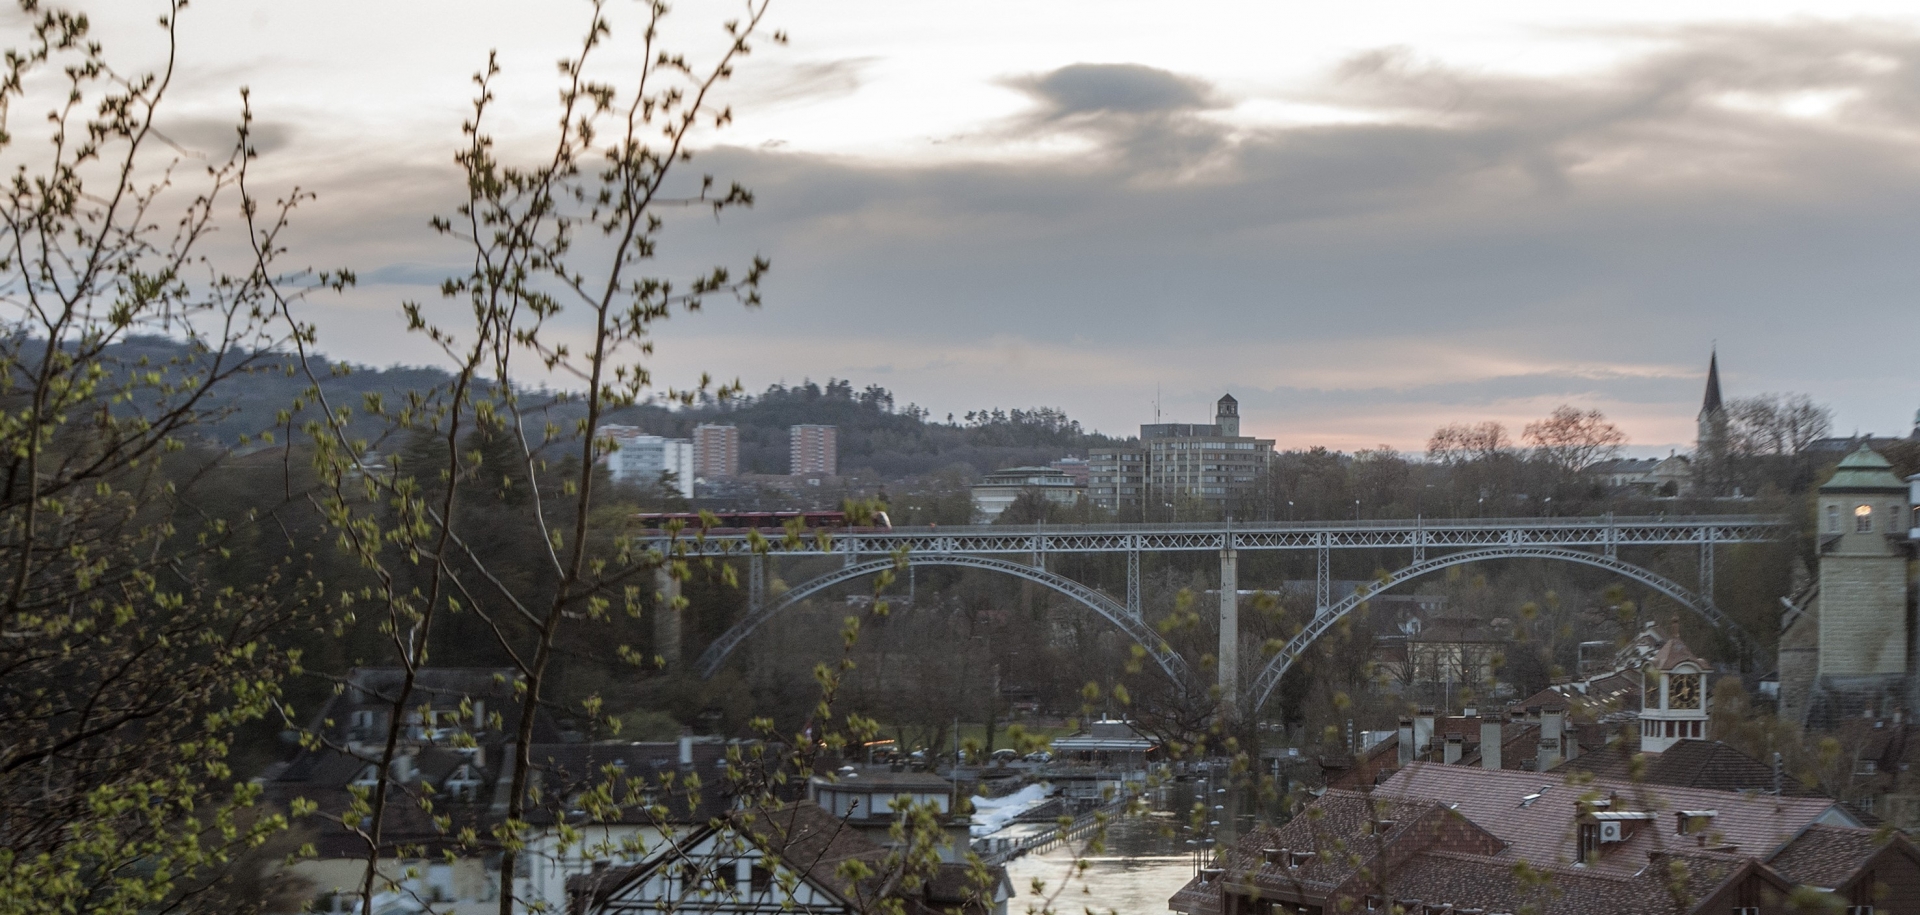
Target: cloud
pixel 213 138
pixel 787 83
pixel 1474 243
pixel 1124 89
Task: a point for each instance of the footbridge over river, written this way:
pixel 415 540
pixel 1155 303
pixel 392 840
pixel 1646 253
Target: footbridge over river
pixel 1430 546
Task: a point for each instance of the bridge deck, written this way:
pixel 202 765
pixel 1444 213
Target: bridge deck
pixel 1605 532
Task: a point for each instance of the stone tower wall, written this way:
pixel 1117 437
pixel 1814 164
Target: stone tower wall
pixel 1863 615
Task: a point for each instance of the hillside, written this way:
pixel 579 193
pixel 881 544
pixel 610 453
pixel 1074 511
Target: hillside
pixel 876 437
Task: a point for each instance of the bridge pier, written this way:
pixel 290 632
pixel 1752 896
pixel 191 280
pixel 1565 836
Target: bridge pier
pixel 1133 583
pixel 756 581
pixel 1229 657
pixel 666 614
pixel 1322 575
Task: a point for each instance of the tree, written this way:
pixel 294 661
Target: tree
pixel 1573 440
pixel 1777 424
pixel 129 659
pixel 1460 442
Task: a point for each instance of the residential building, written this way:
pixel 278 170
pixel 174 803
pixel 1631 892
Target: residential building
pixel 716 451
pixel 646 783
pixel 1001 487
pixel 794 857
pixel 449 747
pixel 641 459
pixel 872 799
pixel 1651 703
pixel 1668 476
pixel 1438 838
pixel 1177 464
pixel 815 450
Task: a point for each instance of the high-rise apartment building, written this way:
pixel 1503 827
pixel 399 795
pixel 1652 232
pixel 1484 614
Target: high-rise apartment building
pixel 716 451
pixel 1180 463
pixel 640 459
pixel 814 450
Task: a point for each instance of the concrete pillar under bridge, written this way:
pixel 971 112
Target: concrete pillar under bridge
pixel 1227 662
pixel 666 615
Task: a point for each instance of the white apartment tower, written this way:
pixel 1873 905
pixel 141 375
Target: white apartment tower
pixel 716 451
pixel 640 459
pixel 815 450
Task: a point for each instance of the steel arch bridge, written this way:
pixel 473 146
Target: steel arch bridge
pixel 1115 613
pixel 1023 552
pixel 1269 679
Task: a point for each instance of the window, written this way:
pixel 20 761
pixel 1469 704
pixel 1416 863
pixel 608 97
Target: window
pixel 1833 519
pixel 1589 842
pixel 1863 520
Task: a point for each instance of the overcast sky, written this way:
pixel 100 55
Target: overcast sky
pixel 1362 219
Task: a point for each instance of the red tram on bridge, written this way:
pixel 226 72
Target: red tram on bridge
pixel 764 522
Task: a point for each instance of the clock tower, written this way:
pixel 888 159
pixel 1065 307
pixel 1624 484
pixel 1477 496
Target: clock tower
pixel 1673 696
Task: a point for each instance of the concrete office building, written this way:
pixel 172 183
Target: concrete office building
pixel 815 450
pixel 1001 487
pixel 716 451
pixel 1177 464
pixel 640 459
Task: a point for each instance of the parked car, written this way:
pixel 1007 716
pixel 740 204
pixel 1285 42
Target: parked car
pixel 1004 755
pixel 1039 756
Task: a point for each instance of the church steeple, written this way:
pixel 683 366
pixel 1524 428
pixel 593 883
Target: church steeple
pixel 1710 448
pixel 1711 403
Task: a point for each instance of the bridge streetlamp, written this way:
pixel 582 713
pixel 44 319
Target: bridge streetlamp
pixel 1356 509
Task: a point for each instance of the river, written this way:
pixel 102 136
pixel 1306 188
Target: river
pixel 1146 859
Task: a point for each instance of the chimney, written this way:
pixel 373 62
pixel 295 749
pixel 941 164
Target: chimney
pixel 1549 753
pixel 1406 741
pixel 1553 725
pixel 1569 742
pixel 479 714
pixel 1423 731
pixel 1455 744
pixel 1490 744
pixel 403 771
pixel 686 747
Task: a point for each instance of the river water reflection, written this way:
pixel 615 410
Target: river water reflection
pixel 1146 858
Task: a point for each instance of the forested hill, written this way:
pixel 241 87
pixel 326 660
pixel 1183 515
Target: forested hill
pixel 874 433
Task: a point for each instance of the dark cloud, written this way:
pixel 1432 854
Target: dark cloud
pixel 1148 117
pixel 1080 89
pixel 214 138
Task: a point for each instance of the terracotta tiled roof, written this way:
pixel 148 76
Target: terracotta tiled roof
pixel 1825 856
pixel 1688 764
pixel 1536 812
pixel 1675 652
pixel 1443 878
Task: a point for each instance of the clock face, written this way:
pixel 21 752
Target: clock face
pixel 1683 691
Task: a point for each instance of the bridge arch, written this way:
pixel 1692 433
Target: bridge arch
pixel 1115 613
pixel 1269 680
